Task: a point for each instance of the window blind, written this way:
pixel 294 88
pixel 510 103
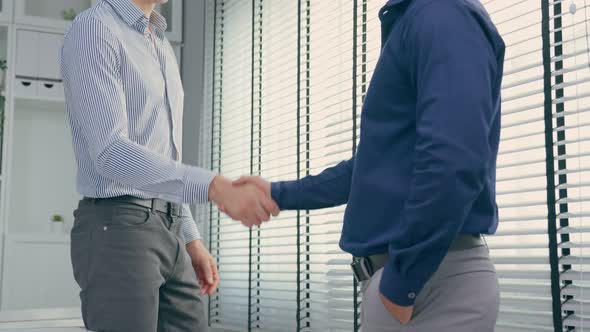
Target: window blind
pixel 571 149
pixel 285 83
pixel 327 121
pixel 203 212
pixel 231 156
pixel 520 247
pixel 275 262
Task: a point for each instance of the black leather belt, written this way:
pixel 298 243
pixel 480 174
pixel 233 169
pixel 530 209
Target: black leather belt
pixel 154 204
pixel 363 268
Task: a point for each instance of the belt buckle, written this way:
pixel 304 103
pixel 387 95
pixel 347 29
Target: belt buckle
pixel 361 269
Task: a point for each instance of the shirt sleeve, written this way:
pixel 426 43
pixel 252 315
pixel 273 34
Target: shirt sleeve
pixel 329 188
pixel 96 102
pixel 189 226
pixel 454 69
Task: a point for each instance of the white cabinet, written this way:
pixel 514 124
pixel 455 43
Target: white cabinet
pixel 49 55
pixel 27 53
pixel 37 69
pixel 38 273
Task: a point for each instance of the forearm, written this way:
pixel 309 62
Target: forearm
pixel 327 189
pixel 433 216
pixel 132 164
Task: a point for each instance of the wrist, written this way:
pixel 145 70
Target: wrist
pixel 217 187
pixel 196 247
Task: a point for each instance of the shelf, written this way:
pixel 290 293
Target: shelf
pixel 41 104
pixel 40 99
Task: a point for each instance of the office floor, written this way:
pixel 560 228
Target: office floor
pixel 74 325
pixel 48 329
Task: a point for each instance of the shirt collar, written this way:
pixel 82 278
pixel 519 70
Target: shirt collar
pixel 392 3
pixel 135 18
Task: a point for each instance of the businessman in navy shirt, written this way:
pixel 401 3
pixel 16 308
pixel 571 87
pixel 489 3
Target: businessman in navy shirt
pixel 421 188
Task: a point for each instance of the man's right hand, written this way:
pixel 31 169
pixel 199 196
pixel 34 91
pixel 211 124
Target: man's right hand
pixel 247 203
pixel 259 182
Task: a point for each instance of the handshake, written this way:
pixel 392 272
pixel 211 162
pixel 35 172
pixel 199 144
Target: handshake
pixel 247 199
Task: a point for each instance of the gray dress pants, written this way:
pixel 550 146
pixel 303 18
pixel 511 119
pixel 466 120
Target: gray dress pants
pixel 134 271
pixel 462 296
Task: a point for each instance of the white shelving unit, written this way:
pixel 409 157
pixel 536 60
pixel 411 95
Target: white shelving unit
pixel 37 168
pixel 49 14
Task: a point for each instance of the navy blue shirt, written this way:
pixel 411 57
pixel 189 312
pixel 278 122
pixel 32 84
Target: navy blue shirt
pixel 425 169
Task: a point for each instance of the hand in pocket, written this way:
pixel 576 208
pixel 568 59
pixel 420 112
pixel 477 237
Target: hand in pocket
pixel 402 314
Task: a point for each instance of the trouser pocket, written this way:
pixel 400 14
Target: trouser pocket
pixel 374 315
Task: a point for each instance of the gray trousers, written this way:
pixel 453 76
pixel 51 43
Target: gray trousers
pixel 462 296
pixel 133 270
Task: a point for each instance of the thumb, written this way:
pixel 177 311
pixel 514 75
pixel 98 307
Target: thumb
pixel 221 208
pixel 242 180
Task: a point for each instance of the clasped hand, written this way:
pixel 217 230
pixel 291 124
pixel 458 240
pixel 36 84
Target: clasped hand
pixel 247 199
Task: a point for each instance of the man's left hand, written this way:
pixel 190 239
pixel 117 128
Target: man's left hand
pixel 204 266
pixel 401 314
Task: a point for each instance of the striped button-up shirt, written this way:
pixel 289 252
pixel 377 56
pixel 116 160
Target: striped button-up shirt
pixel 124 100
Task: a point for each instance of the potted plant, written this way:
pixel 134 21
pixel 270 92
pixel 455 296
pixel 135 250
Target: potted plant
pixel 3 67
pixel 57 224
pixel 69 14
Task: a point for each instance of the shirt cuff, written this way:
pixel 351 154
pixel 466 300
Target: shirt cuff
pixel 401 290
pixel 285 194
pixel 189 229
pixel 197 181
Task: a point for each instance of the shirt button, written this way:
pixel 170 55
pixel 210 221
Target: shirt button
pixel 412 295
pixel 105 228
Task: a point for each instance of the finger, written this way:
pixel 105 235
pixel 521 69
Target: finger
pixel 215 276
pixel 247 222
pixel 206 288
pixel 206 274
pixel 261 213
pixel 202 284
pixel 242 180
pixel 214 270
pixel 270 206
pixel 221 208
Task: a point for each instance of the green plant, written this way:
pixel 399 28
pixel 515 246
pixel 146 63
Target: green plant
pixel 3 64
pixel 69 14
pixel 57 218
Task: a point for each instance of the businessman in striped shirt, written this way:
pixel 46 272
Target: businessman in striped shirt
pixel 136 252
